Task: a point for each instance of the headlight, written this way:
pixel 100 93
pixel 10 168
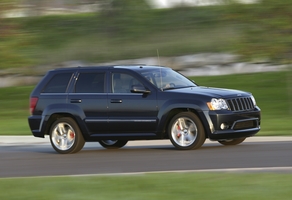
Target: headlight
pixel 217 104
pixel 253 100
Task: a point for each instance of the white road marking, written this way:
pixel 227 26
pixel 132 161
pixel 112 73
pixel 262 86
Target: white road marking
pixel 30 140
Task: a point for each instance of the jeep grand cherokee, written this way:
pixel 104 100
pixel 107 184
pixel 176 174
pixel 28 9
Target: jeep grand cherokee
pixel 115 104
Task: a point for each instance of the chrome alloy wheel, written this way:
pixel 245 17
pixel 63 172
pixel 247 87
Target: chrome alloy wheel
pixel 184 131
pixel 63 136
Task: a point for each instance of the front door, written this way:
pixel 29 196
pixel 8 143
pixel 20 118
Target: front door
pixel 130 112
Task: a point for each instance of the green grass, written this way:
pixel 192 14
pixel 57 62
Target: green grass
pixel 53 39
pixel 95 48
pixel 14 110
pixel 152 186
pixel 272 90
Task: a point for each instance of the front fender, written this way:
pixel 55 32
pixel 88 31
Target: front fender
pixel 165 111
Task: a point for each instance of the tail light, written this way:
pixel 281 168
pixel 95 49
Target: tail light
pixel 32 104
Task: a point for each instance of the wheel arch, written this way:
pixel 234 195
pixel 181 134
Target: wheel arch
pixel 175 111
pixel 52 118
pixel 52 113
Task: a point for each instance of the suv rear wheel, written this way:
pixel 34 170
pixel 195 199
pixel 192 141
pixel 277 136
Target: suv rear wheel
pixel 65 136
pixel 186 131
pixel 113 144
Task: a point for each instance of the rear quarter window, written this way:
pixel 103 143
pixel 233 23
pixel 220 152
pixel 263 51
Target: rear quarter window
pixel 58 83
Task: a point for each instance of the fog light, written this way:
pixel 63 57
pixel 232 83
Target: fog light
pixel 224 126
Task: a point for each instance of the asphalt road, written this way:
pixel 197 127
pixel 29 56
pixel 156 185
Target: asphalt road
pixel 41 160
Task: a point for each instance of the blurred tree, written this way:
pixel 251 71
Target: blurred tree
pixel 268 30
pixel 12 39
pixel 5 5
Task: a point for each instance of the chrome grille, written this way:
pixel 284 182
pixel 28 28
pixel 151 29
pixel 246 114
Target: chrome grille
pixel 240 104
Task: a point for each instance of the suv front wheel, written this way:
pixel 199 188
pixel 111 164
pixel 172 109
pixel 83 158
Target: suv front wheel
pixel 186 131
pixel 65 136
pixel 232 141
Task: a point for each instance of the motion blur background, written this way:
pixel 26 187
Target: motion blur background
pixel 35 34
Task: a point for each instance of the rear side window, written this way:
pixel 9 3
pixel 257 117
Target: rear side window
pixel 58 83
pixel 90 83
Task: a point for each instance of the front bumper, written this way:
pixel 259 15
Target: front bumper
pixel 230 125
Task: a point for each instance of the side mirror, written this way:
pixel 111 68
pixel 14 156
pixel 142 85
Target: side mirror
pixel 139 89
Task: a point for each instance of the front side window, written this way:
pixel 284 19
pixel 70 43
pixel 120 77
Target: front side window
pixel 90 83
pixel 167 79
pixel 58 83
pixel 123 83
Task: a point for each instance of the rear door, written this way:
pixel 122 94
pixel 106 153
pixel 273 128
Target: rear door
pixel 89 93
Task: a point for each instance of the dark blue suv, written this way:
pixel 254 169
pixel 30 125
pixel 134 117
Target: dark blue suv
pixel 115 104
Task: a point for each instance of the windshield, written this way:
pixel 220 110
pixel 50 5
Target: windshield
pixel 165 78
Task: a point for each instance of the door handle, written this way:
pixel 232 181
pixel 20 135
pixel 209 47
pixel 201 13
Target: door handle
pixel 116 101
pixel 75 101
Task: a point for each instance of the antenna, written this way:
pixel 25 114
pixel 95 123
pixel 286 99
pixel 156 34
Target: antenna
pixel 158 57
pixel 160 70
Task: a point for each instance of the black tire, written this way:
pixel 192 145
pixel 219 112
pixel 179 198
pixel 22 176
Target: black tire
pixel 113 144
pixel 65 136
pixel 186 131
pixel 232 141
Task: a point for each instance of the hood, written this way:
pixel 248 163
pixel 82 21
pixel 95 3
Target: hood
pixel 211 92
